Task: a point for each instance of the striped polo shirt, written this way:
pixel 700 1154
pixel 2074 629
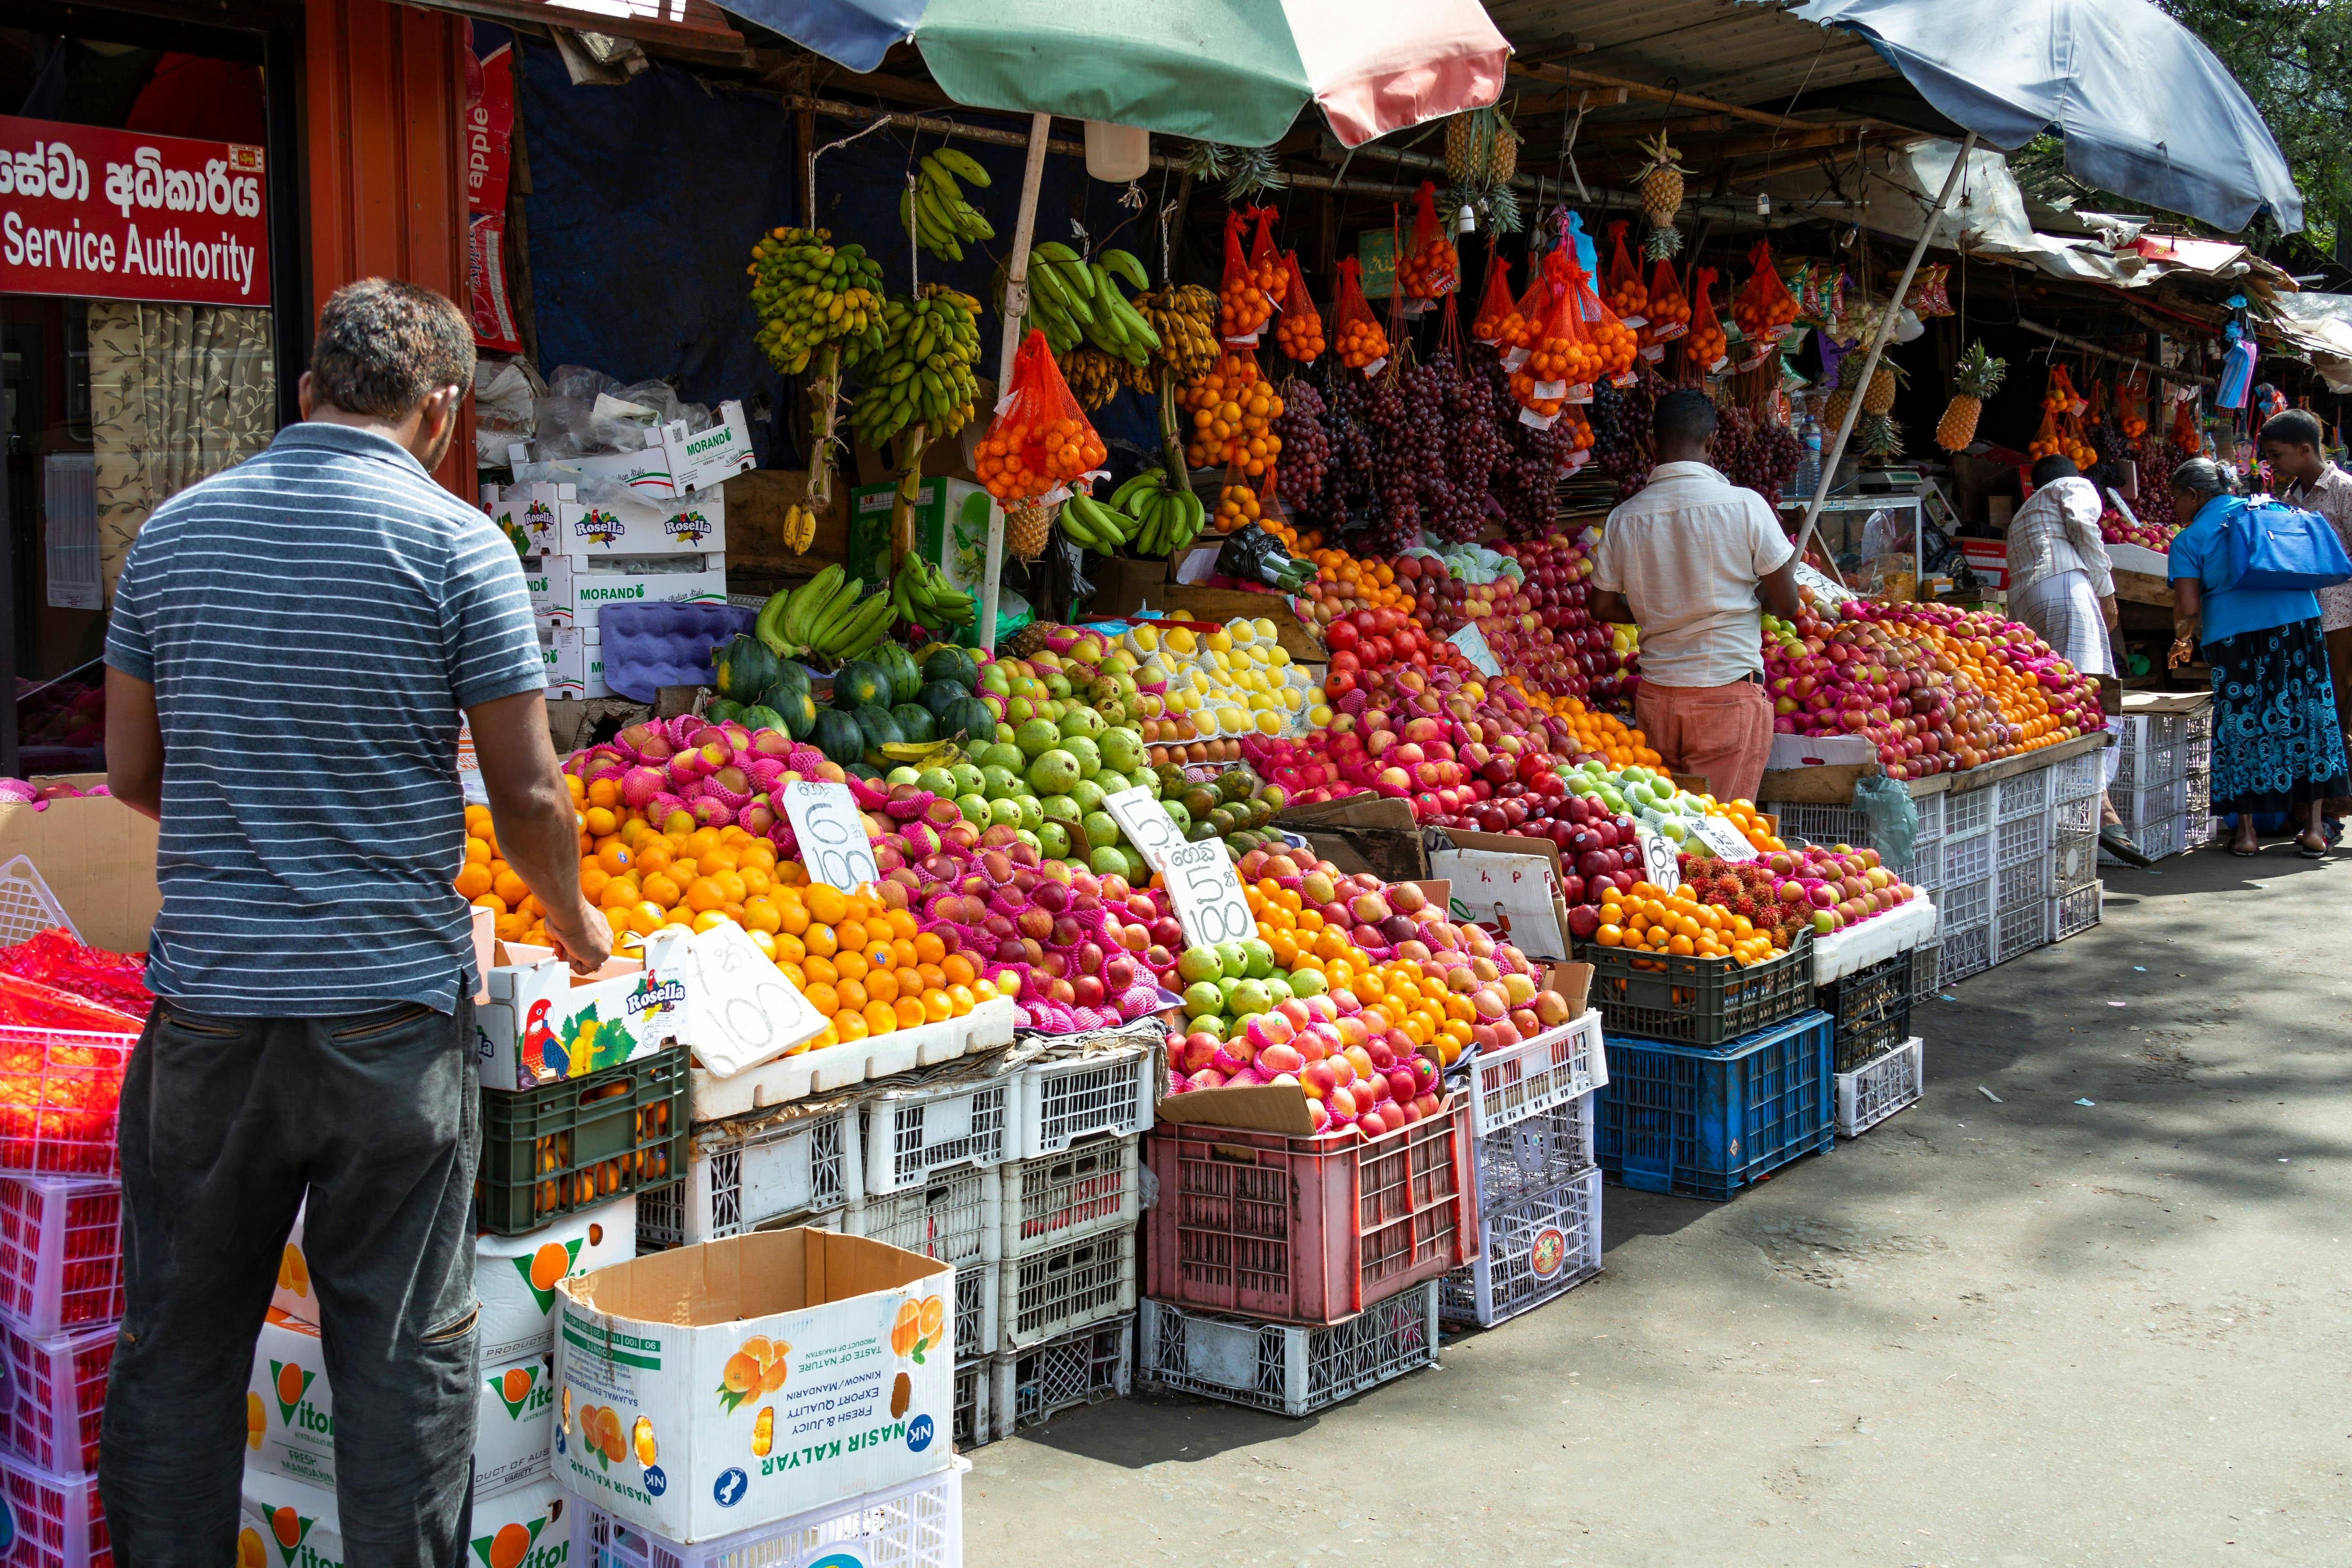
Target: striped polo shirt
pixel 313 621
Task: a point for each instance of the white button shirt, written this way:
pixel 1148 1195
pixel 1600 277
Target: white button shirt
pixel 1687 553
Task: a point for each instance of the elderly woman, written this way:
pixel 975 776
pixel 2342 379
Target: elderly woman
pixel 2276 745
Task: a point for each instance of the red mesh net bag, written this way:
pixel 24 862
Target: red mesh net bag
pixel 1704 350
pixel 1764 307
pixel 2185 433
pixel 1669 311
pixel 1628 296
pixel 1433 267
pixel 1243 304
pixel 116 980
pixel 1612 339
pixel 1299 333
pixel 1524 323
pixel 1561 356
pixel 2131 404
pixel 1266 258
pixel 1495 303
pixel 1041 441
pixel 1362 344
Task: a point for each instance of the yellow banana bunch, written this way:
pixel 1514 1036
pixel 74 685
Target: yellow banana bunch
pixel 1186 320
pixel 1093 376
pixel 799 528
pixel 808 294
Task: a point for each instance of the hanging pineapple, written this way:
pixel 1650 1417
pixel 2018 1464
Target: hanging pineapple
pixel 1660 193
pixel 1481 149
pixel 1880 397
pixel 1977 379
pixel 1026 524
pixel 1878 436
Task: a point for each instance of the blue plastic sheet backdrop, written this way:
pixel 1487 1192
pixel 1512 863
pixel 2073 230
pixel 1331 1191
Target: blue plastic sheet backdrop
pixel 646 201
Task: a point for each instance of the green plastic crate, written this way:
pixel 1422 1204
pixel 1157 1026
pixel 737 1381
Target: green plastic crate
pixel 570 1145
pixel 1693 1000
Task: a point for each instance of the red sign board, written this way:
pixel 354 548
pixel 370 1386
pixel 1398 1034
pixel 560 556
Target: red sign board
pixel 113 215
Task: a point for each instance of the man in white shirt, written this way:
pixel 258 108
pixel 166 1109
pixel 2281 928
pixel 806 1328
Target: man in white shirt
pixel 1685 561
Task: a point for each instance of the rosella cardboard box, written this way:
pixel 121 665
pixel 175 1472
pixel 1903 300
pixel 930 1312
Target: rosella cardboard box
pixel 588 530
pixel 514 1276
pixel 289 1412
pixel 576 662
pixel 526 514
pixel 722 1386
pixel 543 1023
pixel 568 592
pixel 285 1524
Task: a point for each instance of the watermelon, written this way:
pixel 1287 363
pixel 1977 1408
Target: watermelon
pixel 936 696
pixel 791 696
pixel 880 729
pixel 968 715
pixel 916 721
pixel 760 717
pixel 743 669
pixel 899 666
pixel 860 770
pixel 838 736
pixel 719 710
pixel 861 684
pixel 952 664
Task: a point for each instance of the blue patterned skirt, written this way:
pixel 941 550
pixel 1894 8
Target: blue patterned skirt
pixel 2276 741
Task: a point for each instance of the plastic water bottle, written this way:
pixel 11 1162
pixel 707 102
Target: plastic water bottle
pixel 1808 465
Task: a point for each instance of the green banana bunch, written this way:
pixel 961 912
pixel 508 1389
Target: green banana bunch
pixel 922 372
pixel 789 622
pixel 934 210
pixel 854 627
pixel 807 294
pixel 922 595
pixel 1102 530
pixel 1119 329
pixel 1163 519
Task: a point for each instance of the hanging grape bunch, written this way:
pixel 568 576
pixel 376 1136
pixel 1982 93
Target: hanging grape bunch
pixel 1350 480
pixel 1757 455
pixel 1449 507
pixel 2115 449
pixel 1474 445
pixel 1393 524
pixel 1621 428
pixel 1306 447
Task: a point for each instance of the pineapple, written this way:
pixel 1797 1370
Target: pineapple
pixel 1029 638
pixel 1880 398
pixel 1026 527
pixel 1878 436
pixel 1977 379
pixel 1660 193
pixel 1834 414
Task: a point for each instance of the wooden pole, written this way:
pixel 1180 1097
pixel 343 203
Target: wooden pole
pixel 1017 305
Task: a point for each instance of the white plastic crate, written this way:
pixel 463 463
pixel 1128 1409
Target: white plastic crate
pixel 1931 817
pixel 975 1402
pixel 1061 1102
pixel 2023 881
pixel 2143 767
pixel 60 1253
pixel 1926 971
pixel 1534 1155
pixel 27 907
pixel 1550 1068
pixel 2148 731
pixel 1967 811
pixel 739 1181
pixel 1961 904
pixel 660 1216
pixel 2073 860
pixel 1542 1246
pixel 1968 858
pixel 956 1217
pixel 1926 871
pixel 1880 1087
pixel 839 1067
pixel 2080 778
pixel 2074 816
pixel 911 1133
pixel 57 1520
pixel 2153 804
pixel 1819 824
pixel 915 1524
pixel 55 1394
pixel 2076 912
pixel 1084 1191
pixel 2158 839
pixel 2021 839
pixel 2199 795
pixel 2196 729
pixel 2018 930
pixel 1086 1367
pixel 2025 794
pixel 1048 1292
pixel 1289 1370
pixel 1966 953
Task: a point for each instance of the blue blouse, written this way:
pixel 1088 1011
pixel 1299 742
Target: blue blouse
pixel 2228 612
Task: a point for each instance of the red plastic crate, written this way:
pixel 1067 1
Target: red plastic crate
pixel 56 1394
pixel 59 1090
pixel 60 1253
pixel 59 1522
pixel 1308 1230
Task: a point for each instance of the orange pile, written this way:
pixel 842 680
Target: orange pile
pixel 1676 923
pixel 1237 508
pixel 1597 734
pixel 867 968
pixel 1232 409
pixel 1342 583
pixel 1360 343
pixel 1018 463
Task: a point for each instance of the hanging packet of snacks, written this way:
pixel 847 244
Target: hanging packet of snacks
pixel 1495 305
pixel 1243 305
pixel 1266 258
pixel 1613 341
pixel 1040 443
pixel 1764 307
pixel 1561 358
pixel 1432 268
pixel 1628 295
pixel 1669 312
pixel 1704 351
pixel 1362 345
pixel 1931 293
pixel 1821 294
pixel 1300 331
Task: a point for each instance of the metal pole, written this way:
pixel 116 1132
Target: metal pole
pixel 1017 305
pixel 1878 344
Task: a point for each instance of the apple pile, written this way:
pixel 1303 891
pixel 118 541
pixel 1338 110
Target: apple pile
pixel 1355 1080
pixel 1365 640
pixel 2115 528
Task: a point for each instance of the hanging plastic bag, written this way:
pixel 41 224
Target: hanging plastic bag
pixel 1433 268
pixel 1930 292
pixel 1886 804
pixel 1265 259
pixel 1495 305
pixel 1704 351
pixel 1628 295
pixel 1363 346
pixel 1040 442
pixel 1300 331
pixel 1243 305
pixel 1764 307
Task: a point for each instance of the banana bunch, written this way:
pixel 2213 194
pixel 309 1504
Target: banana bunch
pixel 823 617
pixel 921 374
pixel 799 528
pixel 934 209
pixel 1165 519
pixel 807 294
pixel 1094 376
pixel 1095 527
pixel 921 594
pixel 1074 301
pixel 1186 320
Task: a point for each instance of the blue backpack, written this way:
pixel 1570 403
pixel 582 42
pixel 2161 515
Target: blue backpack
pixel 2269 545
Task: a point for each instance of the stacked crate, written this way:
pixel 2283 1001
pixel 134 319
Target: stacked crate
pixel 2073 906
pixel 2150 789
pixel 1964 896
pixel 60 1307
pixel 2021 864
pixel 1927 869
pixel 2196 745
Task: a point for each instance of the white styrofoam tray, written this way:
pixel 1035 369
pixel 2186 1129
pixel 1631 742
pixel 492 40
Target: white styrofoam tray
pixel 1857 947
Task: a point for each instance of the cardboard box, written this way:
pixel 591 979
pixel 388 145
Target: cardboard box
pixel 565 591
pixel 1362 834
pixel 671 465
pixel 514 1276
pixel 543 1023
pixel 290 1411
pixel 951 521
pixel 576 662
pixel 285 1524
pixel 735 1382
pixel 1508 887
pixel 596 530
pixel 1988 559
pixel 98 857
pixel 526 514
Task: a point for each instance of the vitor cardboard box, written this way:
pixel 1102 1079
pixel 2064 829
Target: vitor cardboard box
pixel 951 521
pixel 285 1524
pixel 96 855
pixel 568 592
pixel 543 1023
pixel 514 1276
pixel 718 1387
pixel 289 1412
pixel 588 530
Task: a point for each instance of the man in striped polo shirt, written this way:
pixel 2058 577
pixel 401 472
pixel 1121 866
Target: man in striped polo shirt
pixel 291 646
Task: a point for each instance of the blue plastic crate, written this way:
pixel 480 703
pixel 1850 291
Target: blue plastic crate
pixel 1703 1123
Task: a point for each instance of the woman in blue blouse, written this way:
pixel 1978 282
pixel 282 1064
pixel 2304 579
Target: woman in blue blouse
pixel 2276 745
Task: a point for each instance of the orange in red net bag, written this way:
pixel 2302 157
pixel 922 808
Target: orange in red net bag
pixel 1561 356
pixel 2131 404
pixel 1704 350
pixel 1243 302
pixel 1040 441
pixel 1300 331
pixel 1495 303
pixel 2185 433
pixel 1265 257
pixel 1363 346
pixel 1524 325
pixel 1433 268
pixel 1627 294
pixel 1611 338
pixel 1669 309
pixel 1764 307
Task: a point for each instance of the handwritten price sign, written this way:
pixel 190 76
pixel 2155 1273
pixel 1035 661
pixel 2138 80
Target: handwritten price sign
pixel 1208 894
pixel 1727 842
pixel 1659 866
pixel 1146 824
pixel 831 833
pixel 740 1009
